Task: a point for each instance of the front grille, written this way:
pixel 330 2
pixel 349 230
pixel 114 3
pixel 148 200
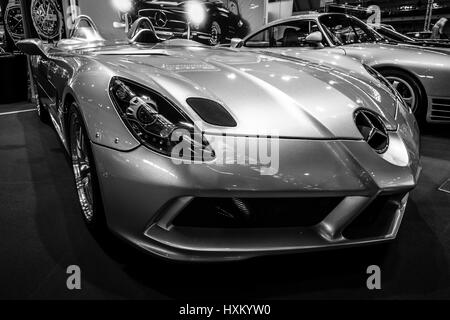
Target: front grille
pixel 376 220
pixel 171 22
pixel 440 109
pixel 255 212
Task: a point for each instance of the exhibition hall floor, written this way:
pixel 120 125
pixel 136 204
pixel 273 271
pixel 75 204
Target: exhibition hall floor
pixel 42 233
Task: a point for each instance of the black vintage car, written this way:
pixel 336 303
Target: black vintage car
pixel 219 24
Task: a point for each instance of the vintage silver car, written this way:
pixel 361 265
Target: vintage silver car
pixel 420 75
pixel 344 148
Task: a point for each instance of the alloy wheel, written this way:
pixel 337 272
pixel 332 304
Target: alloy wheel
pixel 81 167
pixel 405 90
pixel 215 33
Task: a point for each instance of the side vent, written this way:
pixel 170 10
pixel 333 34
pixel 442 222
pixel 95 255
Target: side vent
pixel 212 112
pixel 440 109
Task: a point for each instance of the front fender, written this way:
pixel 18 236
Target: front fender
pixel 90 91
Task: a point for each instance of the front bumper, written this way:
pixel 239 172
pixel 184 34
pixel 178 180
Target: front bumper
pixel 197 244
pixel 144 192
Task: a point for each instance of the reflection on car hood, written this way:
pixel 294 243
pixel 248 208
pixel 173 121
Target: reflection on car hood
pixel 266 94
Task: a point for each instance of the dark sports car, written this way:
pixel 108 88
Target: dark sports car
pixel 209 21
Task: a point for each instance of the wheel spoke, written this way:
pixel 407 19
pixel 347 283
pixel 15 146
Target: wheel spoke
pixel 408 100
pixel 405 90
pixel 85 182
pixel 84 169
pixel 395 84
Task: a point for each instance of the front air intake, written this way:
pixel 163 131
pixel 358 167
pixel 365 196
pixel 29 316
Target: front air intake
pixel 254 213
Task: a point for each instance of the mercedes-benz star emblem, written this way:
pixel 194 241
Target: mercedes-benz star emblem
pixel 160 19
pixel 372 129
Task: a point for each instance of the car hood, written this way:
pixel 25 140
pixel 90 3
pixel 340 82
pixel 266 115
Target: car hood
pixel 266 94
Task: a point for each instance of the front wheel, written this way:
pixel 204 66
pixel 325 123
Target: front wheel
pixel 409 90
pixel 85 174
pixel 216 34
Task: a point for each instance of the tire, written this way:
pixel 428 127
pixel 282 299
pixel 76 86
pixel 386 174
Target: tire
pixel 216 33
pixel 409 89
pixel 85 173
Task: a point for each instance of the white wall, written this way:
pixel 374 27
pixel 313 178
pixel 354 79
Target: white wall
pixel 103 14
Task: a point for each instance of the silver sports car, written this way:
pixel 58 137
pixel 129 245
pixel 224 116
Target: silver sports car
pixel 420 75
pixel 199 153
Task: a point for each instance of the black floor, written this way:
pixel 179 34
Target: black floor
pixel 42 233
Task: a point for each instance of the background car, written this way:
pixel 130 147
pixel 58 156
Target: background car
pixel 209 21
pixel 345 147
pixel 390 34
pixel 421 76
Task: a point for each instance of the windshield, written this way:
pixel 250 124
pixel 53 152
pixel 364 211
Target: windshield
pixel 344 30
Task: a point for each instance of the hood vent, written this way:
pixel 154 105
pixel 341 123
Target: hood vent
pixel 212 112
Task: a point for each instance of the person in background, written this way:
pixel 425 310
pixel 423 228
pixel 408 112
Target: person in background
pixel 438 29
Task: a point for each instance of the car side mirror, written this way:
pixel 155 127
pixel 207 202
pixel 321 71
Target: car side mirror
pixel 236 43
pixel 119 25
pixel 32 47
pixel 314 38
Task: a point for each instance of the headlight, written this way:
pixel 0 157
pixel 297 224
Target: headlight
pixel 156 122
